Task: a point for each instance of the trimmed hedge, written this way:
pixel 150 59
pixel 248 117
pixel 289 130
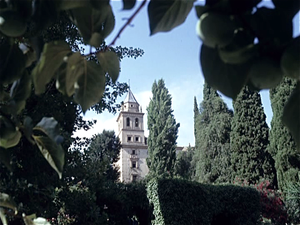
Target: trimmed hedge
pixel 178 202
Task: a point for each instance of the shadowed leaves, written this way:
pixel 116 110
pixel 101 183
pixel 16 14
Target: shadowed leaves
pixel 48 141
pixel 94 24
pixel 110 64
pixel 51 59
pixel 168 14
pixel 229 79
pixel 291 115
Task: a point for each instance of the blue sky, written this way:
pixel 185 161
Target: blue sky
pixel 173 56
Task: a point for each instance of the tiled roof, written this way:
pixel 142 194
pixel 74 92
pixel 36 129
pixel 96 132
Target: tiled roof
pixel 130 97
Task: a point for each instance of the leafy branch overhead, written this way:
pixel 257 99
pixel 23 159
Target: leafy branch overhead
pixel 231 58
pixel 241 46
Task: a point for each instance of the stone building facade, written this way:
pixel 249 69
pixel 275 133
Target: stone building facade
pixel 134 151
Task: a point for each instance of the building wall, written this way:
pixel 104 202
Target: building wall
pixel 133 164
pixel 134 151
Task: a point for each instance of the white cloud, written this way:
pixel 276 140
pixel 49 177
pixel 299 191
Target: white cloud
pixel 105 121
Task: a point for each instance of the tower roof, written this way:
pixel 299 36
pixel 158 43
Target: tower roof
pixel 130 98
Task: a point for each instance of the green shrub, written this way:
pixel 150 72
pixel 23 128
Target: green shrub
pixel 178 202
pixel 126 203
pixel 292 201
pixel 271 201
pixel 80 203
pixel 137 202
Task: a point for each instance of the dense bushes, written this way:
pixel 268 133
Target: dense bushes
pixel 138 203
pixel 292 201
pixel 183 202
pixel 272 204
pixel 116 203
pixel 273 208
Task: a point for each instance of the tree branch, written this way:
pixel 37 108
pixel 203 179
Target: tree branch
pixel 121 30
pixel 127 23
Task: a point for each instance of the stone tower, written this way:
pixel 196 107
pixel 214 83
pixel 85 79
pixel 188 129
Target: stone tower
pixel 134 152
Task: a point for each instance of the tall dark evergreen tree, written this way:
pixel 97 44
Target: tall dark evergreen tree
pixel 163 132
pixel 249 139
pixel 213 126
pixel 196 118
pixel 183 164
pixel 102 154
pixel 282 146
pixel 196 128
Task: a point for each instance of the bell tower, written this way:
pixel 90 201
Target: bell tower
pixel 134 152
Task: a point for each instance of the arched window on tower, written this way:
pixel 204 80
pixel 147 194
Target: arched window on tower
pixel 127 122
pixel 136 122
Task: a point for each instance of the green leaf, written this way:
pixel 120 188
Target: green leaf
pixel 168 14
pixel 96 4
pixel 50 127
pixel 290 59
pixel 238 56
pixel 290 7
pixel 12 141
pixel 28 220
pixel 37 44
pixel 91 84
pixel 85 78
pixel 228 79
pixel 44 13
pixel 24 8
pixel 200 9
pixel 61 79
pixel 3 217
pixel 20 91
pixel 241 48
pixel 128 4
pixel 264 74
pixel 9 133
pixel 7 202
pixel 291 115
pixel 4 96
pixel 12 62
pixel 110 63
pixel 67 4
pixel 271 26
pixel 239 7
pixel 52 57
pixel 73 72
pixel 28 128
pixel 7 128
pixel 94 25
pixel 13 107
pixel 5 157
pixel 12 24
pixel 31 57
pixel 52 152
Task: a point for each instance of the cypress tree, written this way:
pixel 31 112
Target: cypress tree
pixel 163 132
pixel 282 146
pixel 196 127
pixel 183 163
pixel 250 160
pixel 213 139
pixel 196 118
pixel 102 153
